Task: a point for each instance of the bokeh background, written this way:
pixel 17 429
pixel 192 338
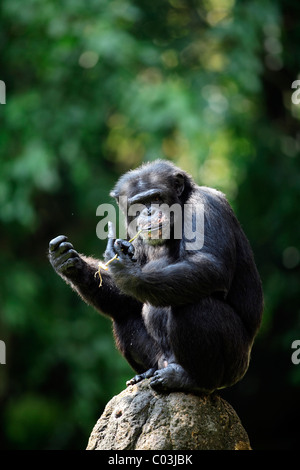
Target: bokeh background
pixel 94 88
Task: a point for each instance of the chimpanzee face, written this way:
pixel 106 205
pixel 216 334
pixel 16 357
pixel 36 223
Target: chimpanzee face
pixel 151 201
pixel 153 220
pixel 153 213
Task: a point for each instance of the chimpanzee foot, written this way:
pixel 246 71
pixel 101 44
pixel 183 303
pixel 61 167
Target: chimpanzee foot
pixel 139 377
pixel 173 378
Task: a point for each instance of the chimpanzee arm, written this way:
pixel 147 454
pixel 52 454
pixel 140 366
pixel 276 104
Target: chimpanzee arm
pixel 161 283
pixel 80 273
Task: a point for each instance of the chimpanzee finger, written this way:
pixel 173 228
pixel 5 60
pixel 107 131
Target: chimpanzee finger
pixel 56 242
pixel 123 248
pixel 109 251
pixel 71 257
pixel 65 246
pixel 67 255
pixel 131 250
pixel 118 248
pixel 127 248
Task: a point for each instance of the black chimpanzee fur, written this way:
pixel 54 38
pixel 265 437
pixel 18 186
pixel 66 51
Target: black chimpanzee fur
pixel 185 318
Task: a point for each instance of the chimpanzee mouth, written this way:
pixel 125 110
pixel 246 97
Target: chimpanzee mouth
pixel 153 228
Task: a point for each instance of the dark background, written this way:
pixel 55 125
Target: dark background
pixel 93 89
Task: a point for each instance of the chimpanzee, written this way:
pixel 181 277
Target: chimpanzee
pixel 184 313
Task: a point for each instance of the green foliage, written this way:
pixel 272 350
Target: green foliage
pixel 95 88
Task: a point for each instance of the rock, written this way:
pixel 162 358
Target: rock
pixel 141 419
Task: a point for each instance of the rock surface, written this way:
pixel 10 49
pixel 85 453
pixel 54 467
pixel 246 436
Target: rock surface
pixel 141 419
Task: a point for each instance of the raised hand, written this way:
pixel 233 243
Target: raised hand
pixel 64 259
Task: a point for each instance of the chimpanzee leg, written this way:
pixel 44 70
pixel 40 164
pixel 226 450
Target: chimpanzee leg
pixel 210 347
pixel 135 343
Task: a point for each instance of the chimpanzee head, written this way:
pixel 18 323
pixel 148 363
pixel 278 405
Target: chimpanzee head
pixel 151 198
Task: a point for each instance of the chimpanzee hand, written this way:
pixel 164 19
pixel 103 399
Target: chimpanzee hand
pixel 122 248
pixel 64 259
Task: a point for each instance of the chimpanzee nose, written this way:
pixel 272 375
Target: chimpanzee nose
pixel 148 211
pixel 151 211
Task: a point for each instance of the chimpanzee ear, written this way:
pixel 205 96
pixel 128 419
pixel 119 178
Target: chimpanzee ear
pixel 179 183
